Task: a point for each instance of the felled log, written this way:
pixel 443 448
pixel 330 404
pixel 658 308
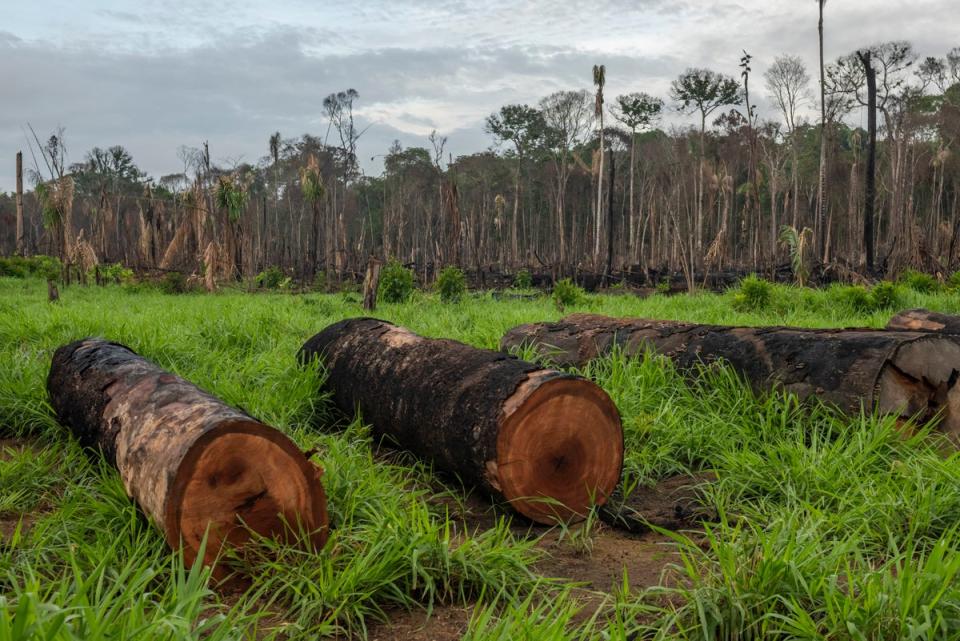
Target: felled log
pixel 188 460
pixel 548 442
pixel 922 320
pixel 904 373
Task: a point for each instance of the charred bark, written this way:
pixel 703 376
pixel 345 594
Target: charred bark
pixel 550 443
pixel 909 374
pixel 194 465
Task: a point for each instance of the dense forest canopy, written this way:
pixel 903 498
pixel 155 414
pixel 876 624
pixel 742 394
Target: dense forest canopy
pixel 578 182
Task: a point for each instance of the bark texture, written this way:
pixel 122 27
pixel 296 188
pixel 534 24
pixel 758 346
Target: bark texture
pixel 190 461
pixel 518 431
pixel 922 320
pixel 908 373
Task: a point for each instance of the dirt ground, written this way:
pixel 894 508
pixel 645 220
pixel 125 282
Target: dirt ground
pixel 643 554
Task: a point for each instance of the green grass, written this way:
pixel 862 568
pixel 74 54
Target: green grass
pixel 831 527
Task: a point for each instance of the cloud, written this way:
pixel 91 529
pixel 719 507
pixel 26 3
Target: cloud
pixel 180 72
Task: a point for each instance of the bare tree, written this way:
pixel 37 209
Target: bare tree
pixel 20 247
pixel 703 91
pixel 822 176
pixel 569 119
pixel 788 82
pixel 523 126
pixel 599 80
pixel 638 112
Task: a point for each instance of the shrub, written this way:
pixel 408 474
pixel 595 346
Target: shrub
pixel 919 282
pixel 882 296
pixel 14 267
pixel 753 295
pixel 566 293
pixel 853 297
pixel 116 272
pixel 523 279
pixel 396 283
pixel 320 281
pixel 271 278
pixel 886 295
pixel 47 267
pixel 953 282
pixel 174 283
pixel 451 284
pixel 663 287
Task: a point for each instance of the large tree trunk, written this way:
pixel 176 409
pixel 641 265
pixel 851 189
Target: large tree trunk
pixel 188 460
pixel 905 373
pixel 550 443
pixel 922 320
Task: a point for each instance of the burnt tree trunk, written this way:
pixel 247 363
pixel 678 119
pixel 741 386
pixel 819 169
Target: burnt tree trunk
pixel 870 183
pixel 188 460
pixel 548 442
pixel 904 373
pixel 922 320
pixel 371 283
pixel 20 247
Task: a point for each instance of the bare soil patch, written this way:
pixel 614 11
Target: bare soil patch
pixel 445 623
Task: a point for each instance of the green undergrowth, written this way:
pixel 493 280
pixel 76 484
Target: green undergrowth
pixel 828 527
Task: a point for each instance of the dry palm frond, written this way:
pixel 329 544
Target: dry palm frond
pixel 716 247
pixel 146 236
pixel 211 264
pixel 81 254
pixel 56 200
pixel 499 205
pixel 176 243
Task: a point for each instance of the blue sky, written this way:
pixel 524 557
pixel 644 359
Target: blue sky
pixel 154 76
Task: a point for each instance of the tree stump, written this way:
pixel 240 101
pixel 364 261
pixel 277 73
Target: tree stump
pixel 922 320
pixel 371 283
pixel 548 442
pixel 188 460
pixel 910 374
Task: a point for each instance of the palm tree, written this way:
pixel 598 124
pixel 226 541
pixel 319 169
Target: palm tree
pixel 231 196
pixel 599 79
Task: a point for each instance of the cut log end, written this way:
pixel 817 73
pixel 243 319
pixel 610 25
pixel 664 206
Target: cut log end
pixel 243 478
pixel 559 449
pixel 920 381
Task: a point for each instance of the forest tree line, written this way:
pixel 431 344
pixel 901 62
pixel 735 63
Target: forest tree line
pixel 580 182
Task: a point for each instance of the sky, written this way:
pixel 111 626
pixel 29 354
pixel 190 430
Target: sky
pixel 153 76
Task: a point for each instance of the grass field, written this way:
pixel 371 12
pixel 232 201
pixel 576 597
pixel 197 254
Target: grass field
pixel 828 527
